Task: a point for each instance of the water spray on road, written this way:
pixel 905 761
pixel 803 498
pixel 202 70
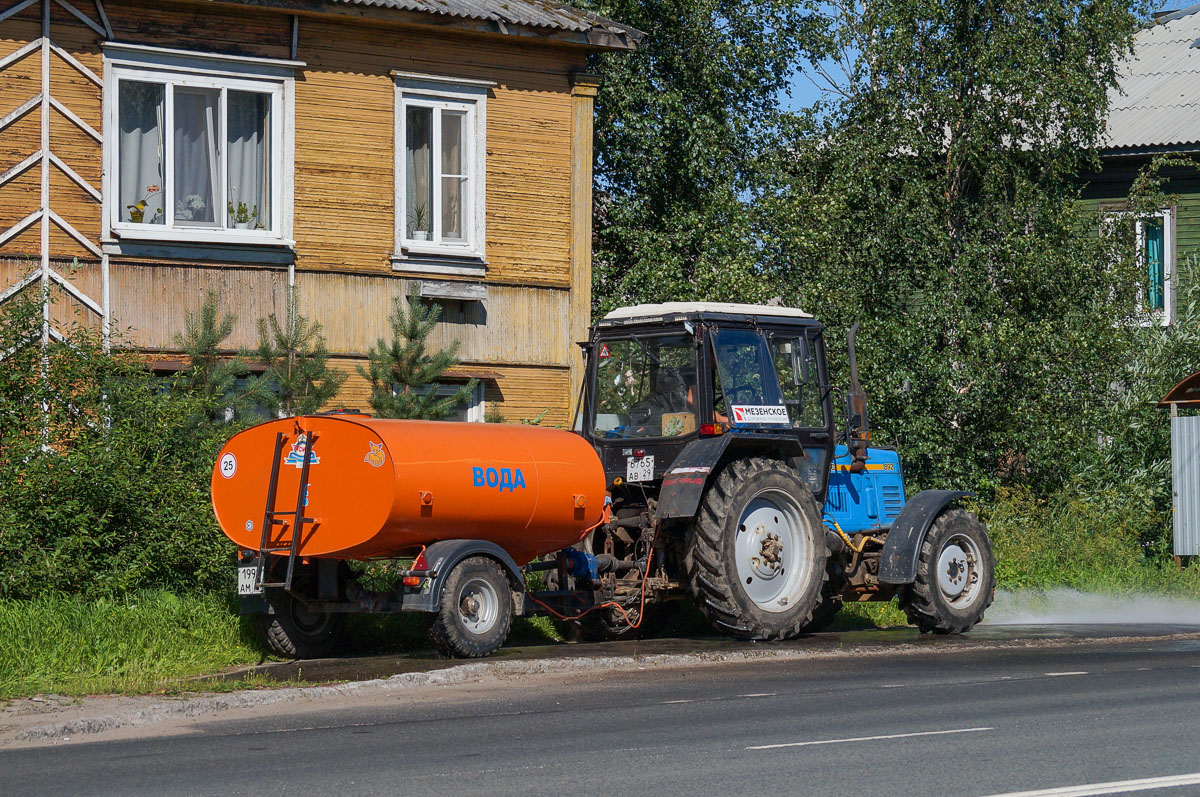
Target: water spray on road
pixel 1072 607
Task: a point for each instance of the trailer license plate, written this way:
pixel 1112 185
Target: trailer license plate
pixel 246 579
pixel 639 469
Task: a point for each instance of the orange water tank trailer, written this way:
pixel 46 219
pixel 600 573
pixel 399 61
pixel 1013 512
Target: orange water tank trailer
pixel 379 487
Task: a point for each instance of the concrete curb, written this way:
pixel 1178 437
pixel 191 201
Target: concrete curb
pixel 171 708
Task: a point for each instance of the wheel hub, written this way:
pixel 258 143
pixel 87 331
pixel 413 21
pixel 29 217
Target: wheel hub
pixel 770 551
pixel 953 571
pixel 478 606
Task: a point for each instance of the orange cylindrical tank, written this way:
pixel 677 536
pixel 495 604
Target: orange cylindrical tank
pixel 379 487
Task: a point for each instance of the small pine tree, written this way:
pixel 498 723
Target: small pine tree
pixel 403 374
pixel 298 379
pixel 211 377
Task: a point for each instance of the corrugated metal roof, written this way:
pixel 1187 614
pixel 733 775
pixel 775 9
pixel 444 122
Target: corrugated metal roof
pixel 1158 100
pixel 530 13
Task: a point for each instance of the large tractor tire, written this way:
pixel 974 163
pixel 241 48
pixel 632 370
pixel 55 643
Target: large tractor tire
pixel 296 632
pixel 756 552
pixel 476 610
pixel 956 579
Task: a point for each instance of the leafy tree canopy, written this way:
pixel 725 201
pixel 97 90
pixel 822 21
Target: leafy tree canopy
pixel 680 122
pixel 933 197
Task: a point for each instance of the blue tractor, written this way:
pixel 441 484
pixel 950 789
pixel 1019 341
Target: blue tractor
pixel 738 480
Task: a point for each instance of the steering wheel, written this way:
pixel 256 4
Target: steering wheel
pixel 733 392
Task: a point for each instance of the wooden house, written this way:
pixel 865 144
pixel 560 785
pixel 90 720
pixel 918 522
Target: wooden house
pixel 150 152
pixel 1154 112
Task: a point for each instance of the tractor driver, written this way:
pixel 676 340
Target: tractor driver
pixel 692 398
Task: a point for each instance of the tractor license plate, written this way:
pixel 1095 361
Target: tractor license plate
pixel 246 578
pixel 639 469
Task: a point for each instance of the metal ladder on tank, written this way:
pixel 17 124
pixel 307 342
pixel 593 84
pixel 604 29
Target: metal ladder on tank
pixel 272 518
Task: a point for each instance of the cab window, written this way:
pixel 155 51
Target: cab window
pixel 645 387
pixel 795 361
pixel 747 376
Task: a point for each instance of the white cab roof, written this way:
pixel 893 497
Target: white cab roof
pixel 678 308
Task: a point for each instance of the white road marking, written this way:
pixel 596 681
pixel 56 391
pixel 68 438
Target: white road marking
pixel 1112 787
pixel 1057 674
pixel 867 738
pixel 761 694
pixel 669 702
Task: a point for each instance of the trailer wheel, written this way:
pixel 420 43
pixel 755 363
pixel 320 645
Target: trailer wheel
pixel 296 632
pixel 475 612
pixel 955 580
pixel 756 552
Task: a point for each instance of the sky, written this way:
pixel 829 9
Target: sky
pixel 804 93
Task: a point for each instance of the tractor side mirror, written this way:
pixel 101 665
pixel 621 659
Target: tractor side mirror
pixel 800 370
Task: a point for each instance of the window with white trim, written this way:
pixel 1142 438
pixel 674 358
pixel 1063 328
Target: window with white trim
pixel 197 153
pixel 1156 256
pixel 1154 248
pixel 472 409
pixel 440 168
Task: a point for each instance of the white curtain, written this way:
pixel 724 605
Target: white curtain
pixel 249 157
pixel 453 176
pixel 140 152
pixel 196 157
pixel 418 202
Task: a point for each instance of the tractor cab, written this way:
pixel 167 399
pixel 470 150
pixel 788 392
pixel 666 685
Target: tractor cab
pixel 663 376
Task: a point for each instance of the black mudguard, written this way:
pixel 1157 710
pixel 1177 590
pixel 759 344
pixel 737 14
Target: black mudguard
pixel 683 483
pixel 898 564
pixel 442 557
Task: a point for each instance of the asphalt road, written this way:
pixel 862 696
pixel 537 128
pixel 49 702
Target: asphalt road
pixel 967 722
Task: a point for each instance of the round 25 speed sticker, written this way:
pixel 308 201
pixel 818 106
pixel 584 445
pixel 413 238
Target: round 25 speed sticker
pixel 228 465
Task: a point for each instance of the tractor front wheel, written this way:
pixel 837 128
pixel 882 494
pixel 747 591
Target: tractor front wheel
pixel 756 553
pixel 956 578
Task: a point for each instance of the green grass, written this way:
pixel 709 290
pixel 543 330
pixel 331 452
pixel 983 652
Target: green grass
pixel 145 642
pixel 1096 543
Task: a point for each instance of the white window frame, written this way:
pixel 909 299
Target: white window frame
pixel 201 70
pixel 455 94
pixel 476 406
pixel 1166 316
pixel 1167 216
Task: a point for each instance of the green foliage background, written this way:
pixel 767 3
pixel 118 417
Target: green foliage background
pixel 933 193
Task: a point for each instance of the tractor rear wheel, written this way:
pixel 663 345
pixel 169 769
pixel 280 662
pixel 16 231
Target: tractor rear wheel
pixel 756 552
pixel 476 610
pixel 295 631
pixel 955 580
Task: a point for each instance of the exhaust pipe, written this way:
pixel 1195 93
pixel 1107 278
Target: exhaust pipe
pixel 858 433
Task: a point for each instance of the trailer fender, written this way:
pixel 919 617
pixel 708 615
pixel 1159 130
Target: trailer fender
pixel 445 555
pixel 898 563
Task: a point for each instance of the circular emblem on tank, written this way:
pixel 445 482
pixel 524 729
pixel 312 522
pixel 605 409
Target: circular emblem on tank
pixel 228 465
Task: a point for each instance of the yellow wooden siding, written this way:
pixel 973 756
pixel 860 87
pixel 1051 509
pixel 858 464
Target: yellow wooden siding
pixel 523 325
pixel 345 145
pixel 518 392
pixel 343 176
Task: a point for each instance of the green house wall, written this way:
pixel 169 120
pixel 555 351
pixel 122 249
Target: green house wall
pixel 1112 184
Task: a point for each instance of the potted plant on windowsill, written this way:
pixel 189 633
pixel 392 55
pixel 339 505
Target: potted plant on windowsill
pixel 242 216
pixel 419 220
pixel 137 211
